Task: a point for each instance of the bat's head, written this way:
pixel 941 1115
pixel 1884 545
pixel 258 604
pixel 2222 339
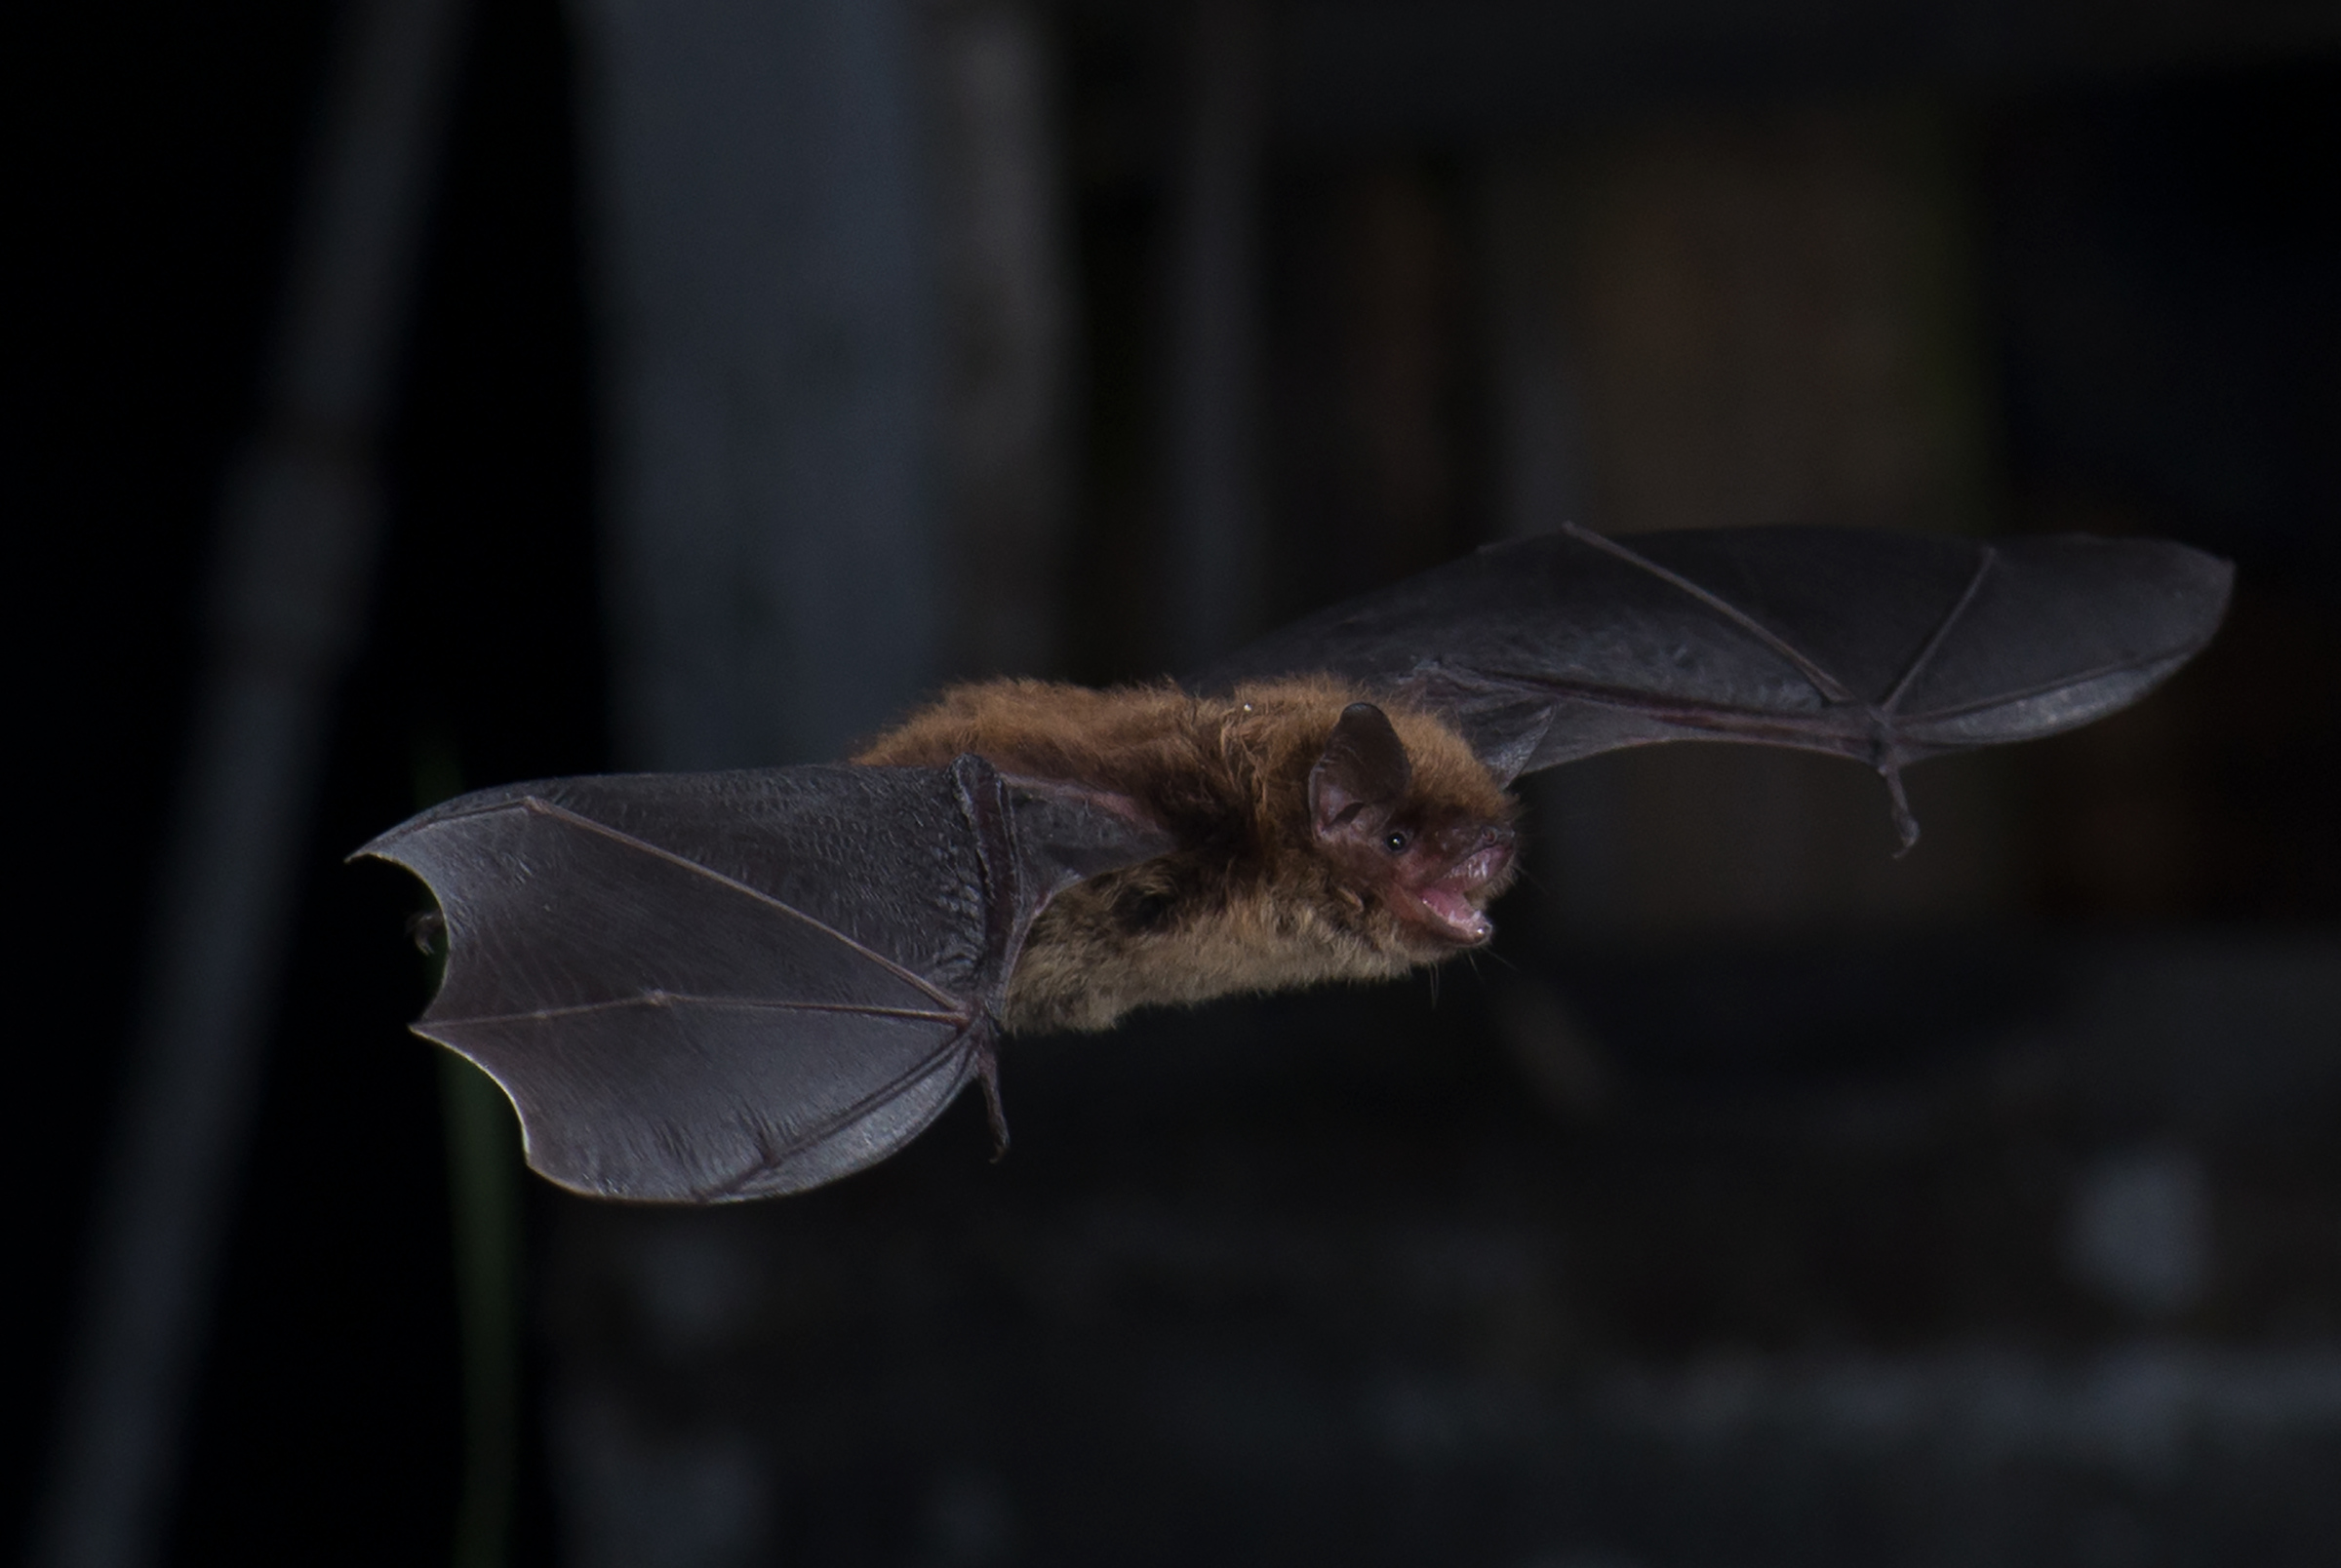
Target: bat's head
pixel 1429 844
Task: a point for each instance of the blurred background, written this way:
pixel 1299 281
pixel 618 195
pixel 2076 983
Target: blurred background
pixel 415 398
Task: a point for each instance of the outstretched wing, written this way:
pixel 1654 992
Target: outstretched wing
pixel 1887 647
pixel 714 986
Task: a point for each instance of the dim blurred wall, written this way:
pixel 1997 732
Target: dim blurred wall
pixel 1369 378
pixel 1773 318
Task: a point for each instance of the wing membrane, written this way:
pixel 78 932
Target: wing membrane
pixel 702 987
pixel 1881 646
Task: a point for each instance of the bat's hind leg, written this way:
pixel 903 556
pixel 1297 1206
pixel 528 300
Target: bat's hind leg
pixel 987 1074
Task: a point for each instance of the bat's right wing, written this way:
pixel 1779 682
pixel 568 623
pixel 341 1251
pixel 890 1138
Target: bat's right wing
pixel 1886 647
pixel 713 986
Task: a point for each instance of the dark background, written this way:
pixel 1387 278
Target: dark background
pixel 1697 1238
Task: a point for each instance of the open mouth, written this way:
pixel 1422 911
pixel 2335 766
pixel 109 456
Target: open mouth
pixel 1452 902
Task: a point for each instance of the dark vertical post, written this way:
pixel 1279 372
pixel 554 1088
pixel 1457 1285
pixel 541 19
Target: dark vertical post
pixel 1212 453
pixel 302 517
pixel 767 328
pixel 1006 287
pixel 1534 394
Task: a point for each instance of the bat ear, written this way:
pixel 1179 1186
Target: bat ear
pixel 1363 775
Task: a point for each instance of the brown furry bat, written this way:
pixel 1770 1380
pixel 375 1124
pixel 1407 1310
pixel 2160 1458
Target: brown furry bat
pixel 1320 838
pixel 712 986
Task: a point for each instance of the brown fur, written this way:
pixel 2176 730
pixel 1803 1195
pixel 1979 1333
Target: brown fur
pixel 1247 902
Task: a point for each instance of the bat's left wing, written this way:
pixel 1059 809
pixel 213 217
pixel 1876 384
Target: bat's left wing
pixel 1886 647
pixel 714 986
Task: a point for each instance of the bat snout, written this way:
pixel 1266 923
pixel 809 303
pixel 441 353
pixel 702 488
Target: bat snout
pixel 1454 904
pixel 1487 862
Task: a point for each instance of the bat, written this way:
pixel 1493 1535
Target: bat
pixel 699 988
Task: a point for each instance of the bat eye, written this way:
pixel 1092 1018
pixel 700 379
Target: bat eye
pixel 1397 842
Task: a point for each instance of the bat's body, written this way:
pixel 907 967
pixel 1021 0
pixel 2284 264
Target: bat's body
pixel 1259 895
pixel 702 987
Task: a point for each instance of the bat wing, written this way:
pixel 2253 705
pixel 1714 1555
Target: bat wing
pixel 714 986
pixel 1887 647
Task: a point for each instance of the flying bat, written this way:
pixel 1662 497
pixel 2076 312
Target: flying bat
pixel 699 988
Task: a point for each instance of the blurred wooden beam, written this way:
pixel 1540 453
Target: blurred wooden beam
pixel 301 521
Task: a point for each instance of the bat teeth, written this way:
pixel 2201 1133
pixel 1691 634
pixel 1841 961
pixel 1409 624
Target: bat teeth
pixel 1455 914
